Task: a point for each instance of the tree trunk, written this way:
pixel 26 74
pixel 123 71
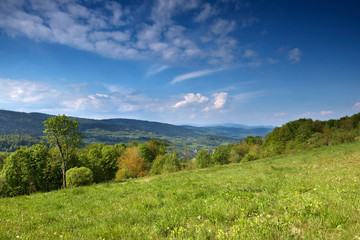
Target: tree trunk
pixel 64 175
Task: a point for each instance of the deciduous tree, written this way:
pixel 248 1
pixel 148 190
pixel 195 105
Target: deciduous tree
pixel 62 133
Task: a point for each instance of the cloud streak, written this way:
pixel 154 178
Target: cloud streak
pixel 191 75
pixel 156 70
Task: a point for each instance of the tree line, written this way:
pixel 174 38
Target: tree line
pixel 46 166
pixel 12 142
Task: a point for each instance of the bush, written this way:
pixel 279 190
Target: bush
pixel 102 160
pixel 130 164
pixel 203 159
pixel 167 163
pixel 340 136
pixel 250 157
pixel 79 176
pixel 238 152
pixel 221 155
pixel 30 170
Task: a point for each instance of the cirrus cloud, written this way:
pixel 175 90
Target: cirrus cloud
pixel 192 75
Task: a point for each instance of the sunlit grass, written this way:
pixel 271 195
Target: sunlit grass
pixel 309 195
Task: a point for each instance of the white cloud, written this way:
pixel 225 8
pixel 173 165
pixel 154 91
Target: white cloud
pixel 224 51
pixel 117 100
pixel 356 105
pixel 206 13
pixel 149 34
pixel 69 99
pixel 248 53
pixel 78 103
pixel 78 11
pixel 117 13
pixel 223 27
pixel 70 24
pixel 217 101
pixel 326 112
pixel 115 30
pixel 24 91
pixel 115 35
pixel 156 69
pixel 158 46
pixel 294 55
pixel 192 75
pixel 191 98
pixel 164 10
pixel 220 100
pixel 102 95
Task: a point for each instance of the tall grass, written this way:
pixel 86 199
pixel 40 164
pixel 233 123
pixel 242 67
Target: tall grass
pixel 314 194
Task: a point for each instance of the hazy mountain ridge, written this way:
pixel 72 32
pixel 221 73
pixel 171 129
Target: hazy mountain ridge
pixel 112 131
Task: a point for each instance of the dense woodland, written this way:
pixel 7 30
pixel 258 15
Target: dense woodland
pixel 36 168
pixel 12 142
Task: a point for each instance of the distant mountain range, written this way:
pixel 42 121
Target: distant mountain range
pixel 118 130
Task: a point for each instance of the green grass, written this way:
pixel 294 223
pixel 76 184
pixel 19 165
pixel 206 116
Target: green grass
pixel 311 195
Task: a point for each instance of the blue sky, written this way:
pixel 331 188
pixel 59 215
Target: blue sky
pixel 181 61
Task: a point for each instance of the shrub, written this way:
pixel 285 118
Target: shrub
pixel 238 152
pixel 221 155
pixel 130 164
pixel 250 157
pixel 203 159
pixel 29 170
pixel 79 176
pixel 340 136
pixel 102 160
pixel 167 163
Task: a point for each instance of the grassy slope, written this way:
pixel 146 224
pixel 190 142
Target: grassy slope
pixel 312 194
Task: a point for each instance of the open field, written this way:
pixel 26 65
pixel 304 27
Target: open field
pixel 314 194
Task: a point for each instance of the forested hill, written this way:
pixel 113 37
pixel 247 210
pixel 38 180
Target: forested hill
pixel 124 130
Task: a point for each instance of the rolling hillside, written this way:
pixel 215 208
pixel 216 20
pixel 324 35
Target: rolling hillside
pixel 309 195
pixel 113 131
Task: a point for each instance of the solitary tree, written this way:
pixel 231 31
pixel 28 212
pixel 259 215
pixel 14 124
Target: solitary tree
pixel 62 133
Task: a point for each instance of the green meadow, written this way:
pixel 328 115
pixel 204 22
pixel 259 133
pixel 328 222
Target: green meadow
pixel 310 195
